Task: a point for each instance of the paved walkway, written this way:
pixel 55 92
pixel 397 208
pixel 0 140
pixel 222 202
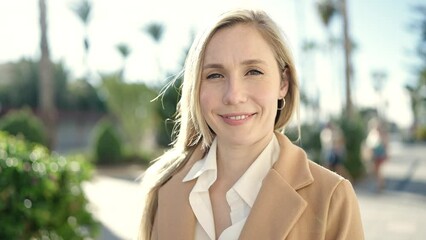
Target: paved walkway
pixel 116 196
pixel 397 212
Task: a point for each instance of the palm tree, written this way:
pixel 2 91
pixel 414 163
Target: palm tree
pixel 124 51
pixel 348 63
pixel 327 9
pixel 83 10
pixel 417 90
pixel 46 86
pixel 379 79
pixel 156 31
pixel 417 94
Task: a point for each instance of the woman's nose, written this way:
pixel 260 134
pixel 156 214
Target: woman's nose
pixel 234 92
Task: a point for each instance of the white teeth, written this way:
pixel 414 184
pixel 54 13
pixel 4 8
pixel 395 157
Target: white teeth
pixel 240 117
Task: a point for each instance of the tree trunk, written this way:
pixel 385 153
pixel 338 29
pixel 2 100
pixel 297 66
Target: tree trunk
pixel 46 85
pixel 348 64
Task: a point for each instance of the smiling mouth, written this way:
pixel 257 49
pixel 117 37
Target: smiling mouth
pixel 237 117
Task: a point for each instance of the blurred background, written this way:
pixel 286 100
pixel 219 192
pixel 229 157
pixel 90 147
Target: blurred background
pixel 78 87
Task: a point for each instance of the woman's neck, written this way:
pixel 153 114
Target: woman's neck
pixel 234 159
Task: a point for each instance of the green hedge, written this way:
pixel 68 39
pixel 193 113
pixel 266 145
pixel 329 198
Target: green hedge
pixel 23 123
pixel 41 195
pixel 421 133
pixel 354 131
pixel 107 143
pixel 309 140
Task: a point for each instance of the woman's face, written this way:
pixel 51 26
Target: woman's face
pixel 240 85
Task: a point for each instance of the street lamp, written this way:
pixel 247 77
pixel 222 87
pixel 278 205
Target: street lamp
pixel 379 78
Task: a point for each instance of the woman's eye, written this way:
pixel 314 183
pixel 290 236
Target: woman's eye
pixel 254 72
pixel 214 75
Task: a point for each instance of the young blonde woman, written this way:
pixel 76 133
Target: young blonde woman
pixel 231 173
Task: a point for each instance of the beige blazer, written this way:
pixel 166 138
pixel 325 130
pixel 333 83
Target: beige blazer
pixel 298 200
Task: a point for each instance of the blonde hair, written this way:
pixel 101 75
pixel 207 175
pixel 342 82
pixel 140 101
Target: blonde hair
pixel 192 129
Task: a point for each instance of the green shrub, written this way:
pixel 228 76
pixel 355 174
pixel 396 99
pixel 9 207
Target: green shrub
pixel 354 132
pixel 107 144
pixel 41 196
pixel 24 123
pixel 421 133
pixel 309 140
pixel 139 157
pixel 310 137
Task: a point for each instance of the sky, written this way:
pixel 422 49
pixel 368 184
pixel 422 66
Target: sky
pixel 379 28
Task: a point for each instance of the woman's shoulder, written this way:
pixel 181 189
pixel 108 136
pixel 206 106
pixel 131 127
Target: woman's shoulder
pixel 324 176
pixel 327 186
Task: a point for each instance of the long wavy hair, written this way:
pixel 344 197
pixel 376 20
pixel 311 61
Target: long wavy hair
pixel 191 128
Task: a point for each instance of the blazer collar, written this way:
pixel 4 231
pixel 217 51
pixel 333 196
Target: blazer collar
pixel 293 164
pixel 277 207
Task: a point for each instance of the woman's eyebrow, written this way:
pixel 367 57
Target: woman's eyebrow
pixel 213 65
pixel 253 61
pixel 245 62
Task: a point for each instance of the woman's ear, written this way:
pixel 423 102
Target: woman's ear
pixel 285 77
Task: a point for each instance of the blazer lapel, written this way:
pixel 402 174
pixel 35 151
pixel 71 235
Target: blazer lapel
pixel 278 206
pixel 175 217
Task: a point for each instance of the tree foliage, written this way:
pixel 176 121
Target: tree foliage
pixel 124 51
pixel 21 86
pixel 417 89
pixel 166 110
pixel 155 30
pixel 21 83
pixel 327 9
pixel 131 104
pixel 83 9
pixel 83 96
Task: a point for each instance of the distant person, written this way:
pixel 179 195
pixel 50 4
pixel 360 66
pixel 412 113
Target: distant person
pixel 377 144
pixel 232 173
pixel 333 145
pixel 334 149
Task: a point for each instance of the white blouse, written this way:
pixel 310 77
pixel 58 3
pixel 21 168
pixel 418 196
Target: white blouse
pixel 240 197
